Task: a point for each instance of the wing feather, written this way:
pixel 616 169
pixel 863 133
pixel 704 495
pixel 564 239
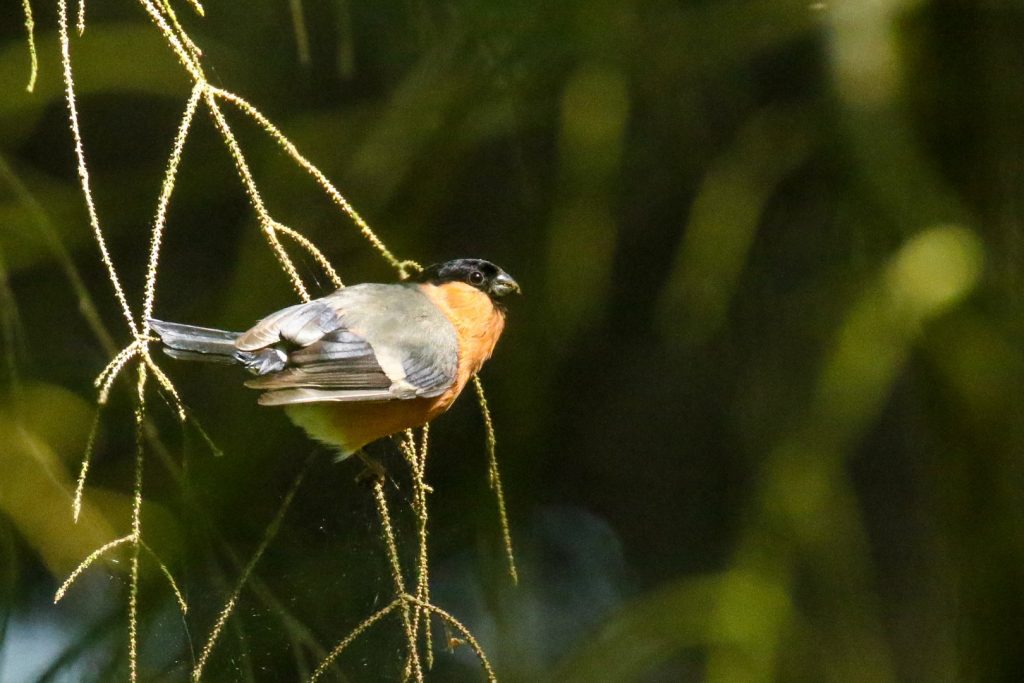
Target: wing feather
pixel 363 343
pixel 364 374
pixel 301 325
pixel 285 397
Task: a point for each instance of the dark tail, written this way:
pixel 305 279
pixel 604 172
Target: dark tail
pixel 188 342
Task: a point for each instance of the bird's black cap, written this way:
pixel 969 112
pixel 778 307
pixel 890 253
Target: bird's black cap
pixel 478 273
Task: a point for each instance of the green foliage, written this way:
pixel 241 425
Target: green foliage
pixel 758 407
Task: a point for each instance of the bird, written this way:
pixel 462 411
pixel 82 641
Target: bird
pixel 368 360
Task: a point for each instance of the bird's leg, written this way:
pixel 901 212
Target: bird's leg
pixel 372 469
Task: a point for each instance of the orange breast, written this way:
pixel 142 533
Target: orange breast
pixel 478 325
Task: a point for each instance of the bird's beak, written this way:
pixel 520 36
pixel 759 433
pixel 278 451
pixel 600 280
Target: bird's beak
pixel 504 284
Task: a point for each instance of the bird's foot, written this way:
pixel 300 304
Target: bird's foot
pixel 372 470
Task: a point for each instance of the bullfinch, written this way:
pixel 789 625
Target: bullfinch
pixel 368 360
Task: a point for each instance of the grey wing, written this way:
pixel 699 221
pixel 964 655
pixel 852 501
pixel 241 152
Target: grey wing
pixel 415 344
pixel 339 361
pixel 363 343
pixel 302 325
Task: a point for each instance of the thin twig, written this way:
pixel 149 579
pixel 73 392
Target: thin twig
pixel 315 252
pixel 466 634
pixel 30 32
pixel 266 222
pixel 76 503
pixel 321 179
pixel 188 59
pixel 420 490
pixel 83 171
pixel 396 575
pixel 178 595
pixel 133 585
pixel 166 188
pixel 495 478
pixel 173 17
pixel 355 633
pixel 84 564
pixel 268 536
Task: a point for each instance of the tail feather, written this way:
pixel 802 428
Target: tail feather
pixel 179 354
pixel 189 342
pixel 193 341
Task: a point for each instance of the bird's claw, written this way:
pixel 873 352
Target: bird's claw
pixel 372 469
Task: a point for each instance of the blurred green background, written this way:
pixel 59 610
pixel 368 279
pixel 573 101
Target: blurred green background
pixel 758 410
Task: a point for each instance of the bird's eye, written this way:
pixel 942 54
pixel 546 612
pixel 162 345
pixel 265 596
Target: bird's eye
pixel 476 278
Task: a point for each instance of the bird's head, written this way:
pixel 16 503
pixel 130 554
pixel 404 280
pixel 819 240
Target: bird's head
pixel 483 275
